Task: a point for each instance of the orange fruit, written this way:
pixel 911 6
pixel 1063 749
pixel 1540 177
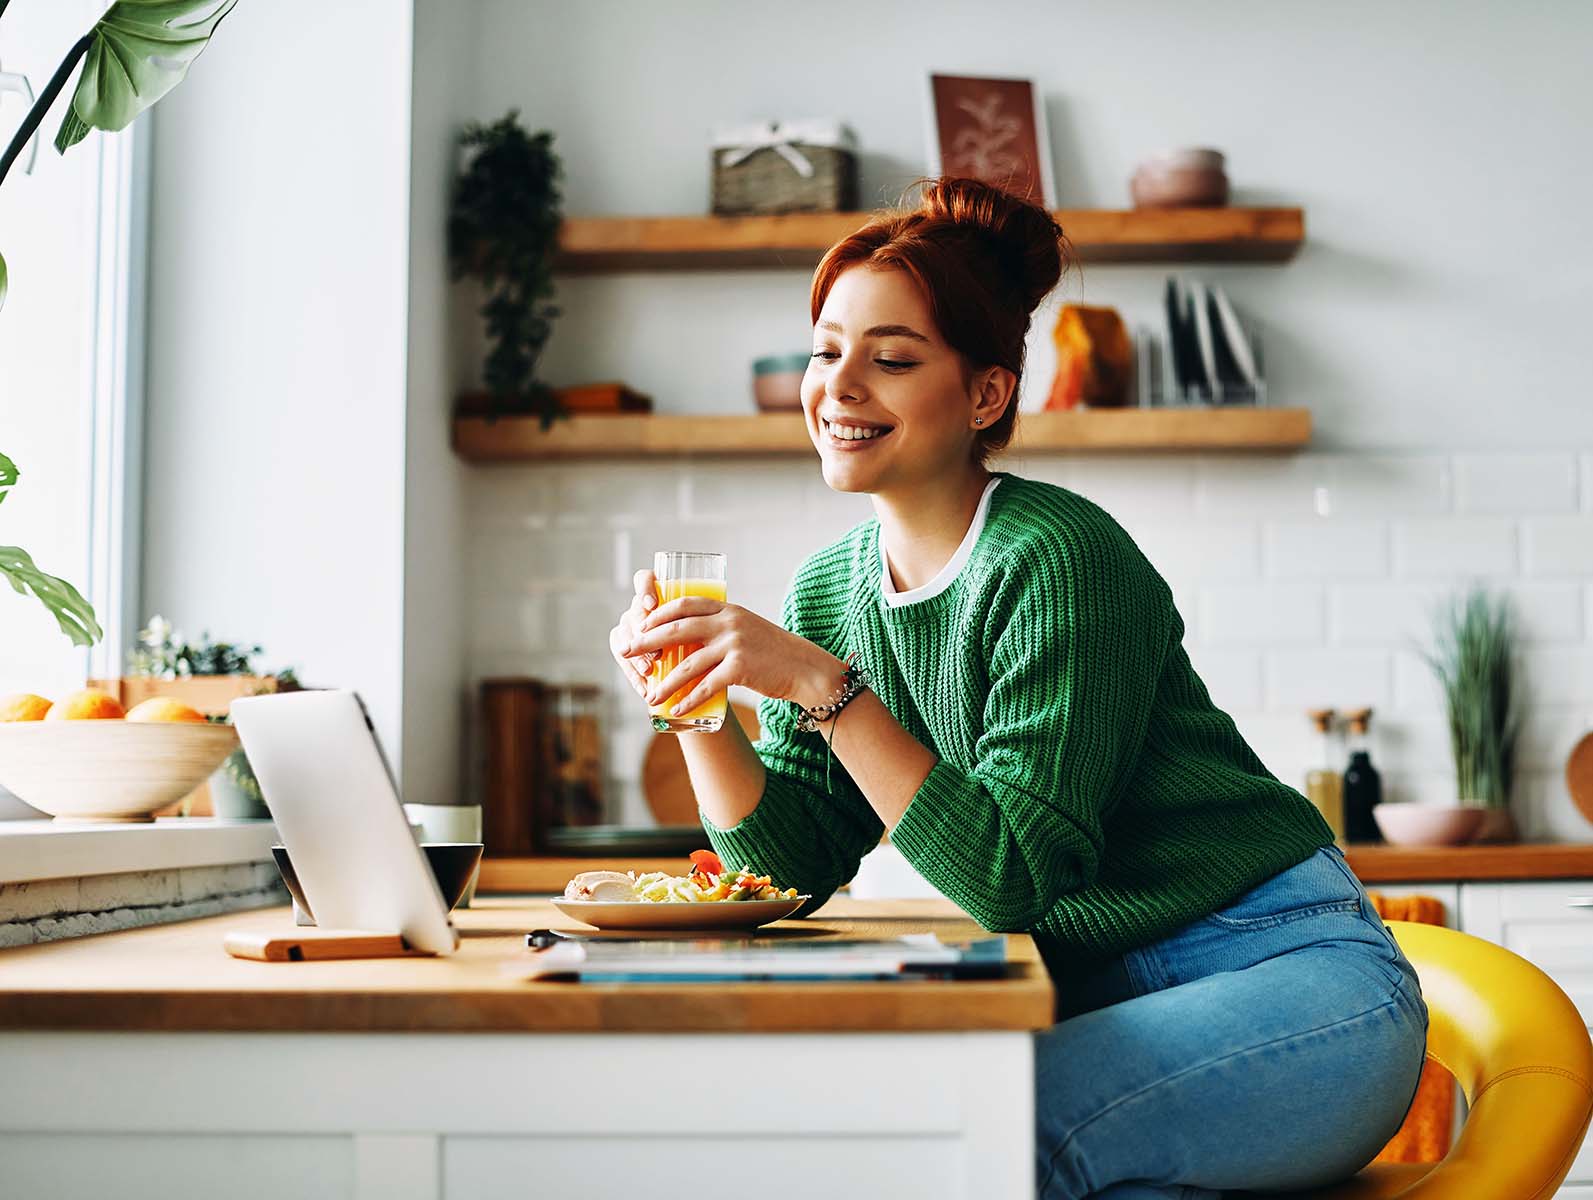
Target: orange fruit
pixel 164 708
pixel 86 704
pixel 23 706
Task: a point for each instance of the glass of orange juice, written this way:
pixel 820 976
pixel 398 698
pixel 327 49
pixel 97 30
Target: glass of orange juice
pixel 680 573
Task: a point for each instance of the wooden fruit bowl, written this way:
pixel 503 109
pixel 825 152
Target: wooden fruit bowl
pixel 109 770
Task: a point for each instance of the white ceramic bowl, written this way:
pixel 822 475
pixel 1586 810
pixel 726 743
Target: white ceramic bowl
pixel 109 770
pixel 1428 824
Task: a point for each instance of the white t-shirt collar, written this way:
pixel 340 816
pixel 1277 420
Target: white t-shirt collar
pixel 947 573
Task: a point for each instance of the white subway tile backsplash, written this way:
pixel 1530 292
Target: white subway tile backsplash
pixel 509 497
pixel 1187 550
pixel 1457 546
pixel 583 619
pixel 1387 485
pixel 1558 545
pixel 1515 483
pixel 1304 580
pixel 1261 615
pixel 1416 688
pixel 1325 549
pixel 750 491
pixel 503 618
pixel 1560 676
pixel 606 492
pixel 1398 614
pixel 1549 732
pixel 1125 485
pixel 1325 485
pixel 1543 809
pixel 1233 677
pixel 1262 486
pixel 1319 678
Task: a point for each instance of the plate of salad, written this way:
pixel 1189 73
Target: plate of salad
pixel 709 896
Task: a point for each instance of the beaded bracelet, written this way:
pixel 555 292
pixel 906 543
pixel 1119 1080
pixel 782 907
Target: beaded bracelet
pixel 856 682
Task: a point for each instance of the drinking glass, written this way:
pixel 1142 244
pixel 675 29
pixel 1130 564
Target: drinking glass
pixel 681 573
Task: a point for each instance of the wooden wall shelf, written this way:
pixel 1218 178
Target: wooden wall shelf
pixel 628 435
pixel 591 244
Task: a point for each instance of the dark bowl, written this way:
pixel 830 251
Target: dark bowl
pixel 452 864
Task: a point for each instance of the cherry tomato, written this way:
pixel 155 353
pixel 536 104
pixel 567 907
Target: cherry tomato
pixel 707 860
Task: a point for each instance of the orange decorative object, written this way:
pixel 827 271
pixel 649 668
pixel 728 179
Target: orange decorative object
pixel 1425 1135
pixel 164 708
pixel 1093 358
pixel 23 706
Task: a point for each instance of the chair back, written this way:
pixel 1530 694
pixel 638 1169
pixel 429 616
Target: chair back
pixel 1519 1050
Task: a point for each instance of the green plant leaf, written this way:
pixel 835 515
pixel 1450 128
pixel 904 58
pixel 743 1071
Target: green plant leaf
pixel 141 49
pixel 2 280
pixel 8 476
pixel 72 613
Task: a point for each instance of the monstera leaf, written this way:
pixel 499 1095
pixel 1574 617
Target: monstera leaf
pixel 72 613
pixel 139 50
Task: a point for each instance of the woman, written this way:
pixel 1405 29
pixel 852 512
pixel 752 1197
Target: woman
pixel 992 671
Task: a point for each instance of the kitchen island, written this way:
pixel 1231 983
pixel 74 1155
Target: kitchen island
pixel 442 1077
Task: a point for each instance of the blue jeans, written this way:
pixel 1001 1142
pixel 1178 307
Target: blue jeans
pixel 1275 1044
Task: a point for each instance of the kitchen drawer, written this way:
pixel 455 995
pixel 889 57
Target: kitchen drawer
pixel 1535 921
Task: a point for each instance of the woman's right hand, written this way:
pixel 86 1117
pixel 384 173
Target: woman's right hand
pixel 637 668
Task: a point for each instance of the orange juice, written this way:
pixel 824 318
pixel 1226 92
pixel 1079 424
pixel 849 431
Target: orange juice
pixel 710 714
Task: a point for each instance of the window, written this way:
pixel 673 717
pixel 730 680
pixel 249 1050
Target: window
pixel 71 367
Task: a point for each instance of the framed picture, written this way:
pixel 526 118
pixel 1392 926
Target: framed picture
pixel 992 130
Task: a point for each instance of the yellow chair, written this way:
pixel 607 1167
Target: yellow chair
pixel 1519 1050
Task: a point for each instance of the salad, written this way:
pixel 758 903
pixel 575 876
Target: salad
pixel 707 882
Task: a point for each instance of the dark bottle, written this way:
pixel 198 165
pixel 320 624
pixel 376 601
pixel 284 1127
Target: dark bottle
pixel 1363 787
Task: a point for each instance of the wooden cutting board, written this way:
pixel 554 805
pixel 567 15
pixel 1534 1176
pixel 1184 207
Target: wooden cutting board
pixel 665 785
pixel 1579 776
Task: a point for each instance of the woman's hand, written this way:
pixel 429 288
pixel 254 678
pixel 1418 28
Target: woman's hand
pixel 735 646
pixel 636 665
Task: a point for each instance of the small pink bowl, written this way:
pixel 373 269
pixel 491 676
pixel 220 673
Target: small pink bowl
pixel 1412 824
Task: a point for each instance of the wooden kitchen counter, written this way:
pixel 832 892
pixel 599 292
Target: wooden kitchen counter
pixel 1524 860
pixel 177 978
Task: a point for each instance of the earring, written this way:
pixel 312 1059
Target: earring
pixel 979 420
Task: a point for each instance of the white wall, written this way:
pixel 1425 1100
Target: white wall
pixel 1433 323
pixel 435 702
pixel 277 329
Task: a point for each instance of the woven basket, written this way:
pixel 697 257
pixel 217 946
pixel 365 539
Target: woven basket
pixel 766 182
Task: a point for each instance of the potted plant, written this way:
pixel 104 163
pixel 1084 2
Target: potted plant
pixel 503 230
pixel 136 52
pixel 1475 659
pixel 209 676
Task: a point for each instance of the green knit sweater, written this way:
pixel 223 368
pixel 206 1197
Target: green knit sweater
pixel 1087 789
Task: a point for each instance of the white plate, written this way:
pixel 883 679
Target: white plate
pixel 1237 342
pixel 709 914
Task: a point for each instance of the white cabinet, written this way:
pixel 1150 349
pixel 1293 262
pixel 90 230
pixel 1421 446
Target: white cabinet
pixel 1535 920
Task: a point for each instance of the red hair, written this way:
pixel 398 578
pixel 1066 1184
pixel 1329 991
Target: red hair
pixel 983 258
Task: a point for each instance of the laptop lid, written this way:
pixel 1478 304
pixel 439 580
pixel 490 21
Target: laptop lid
pixel 337 810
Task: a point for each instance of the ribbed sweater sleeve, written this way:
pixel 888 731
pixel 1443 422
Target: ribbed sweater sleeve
pixel 808 831
pixel 1076 631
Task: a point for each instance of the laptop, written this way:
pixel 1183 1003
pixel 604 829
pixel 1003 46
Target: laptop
pixel 337 810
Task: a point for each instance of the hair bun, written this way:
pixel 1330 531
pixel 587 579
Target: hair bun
pixel 1029 241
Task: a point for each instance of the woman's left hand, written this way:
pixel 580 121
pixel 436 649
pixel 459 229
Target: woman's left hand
pixel 735 646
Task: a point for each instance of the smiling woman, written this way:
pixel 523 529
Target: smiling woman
pixel 993 672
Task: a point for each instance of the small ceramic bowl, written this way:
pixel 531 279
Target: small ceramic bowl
pixel 777 382
pixel 1428 824
pixel 452 863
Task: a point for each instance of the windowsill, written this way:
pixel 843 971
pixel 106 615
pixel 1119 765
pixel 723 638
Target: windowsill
pixel 35 850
